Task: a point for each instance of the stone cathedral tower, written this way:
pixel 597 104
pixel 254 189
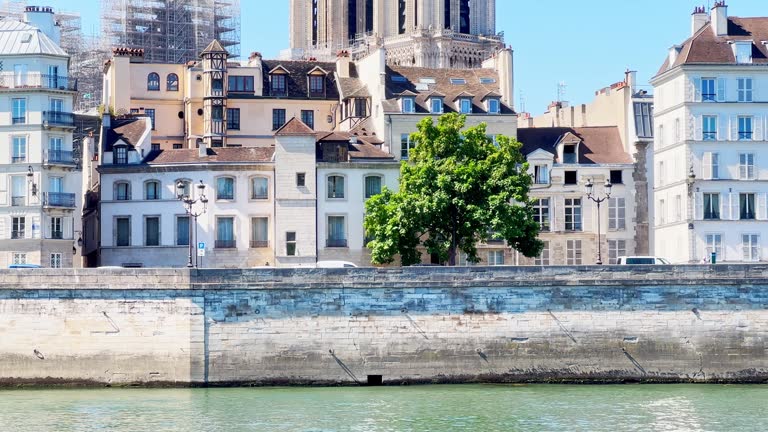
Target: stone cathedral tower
pixel 425 33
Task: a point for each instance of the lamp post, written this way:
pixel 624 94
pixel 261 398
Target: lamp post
pixel 31 180
pixel 598 200
pixel 189 201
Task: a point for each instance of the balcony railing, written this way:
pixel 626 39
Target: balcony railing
pixel 18 201
pixel 60 157
pixel 19 120
pixel 59 199
pixel 18 159
pixel 33 80
pixel 59 118
pixel 336 243
pixel 225 244
pixel 19 234
pixel 256 244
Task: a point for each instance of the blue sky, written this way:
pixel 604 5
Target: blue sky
pixel 588 44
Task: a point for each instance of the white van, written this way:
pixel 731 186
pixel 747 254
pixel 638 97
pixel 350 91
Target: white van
pixel 335 264
pixel 641 260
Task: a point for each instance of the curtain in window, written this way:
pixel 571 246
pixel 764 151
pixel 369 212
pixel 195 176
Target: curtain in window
pixel 123 232
pixel 153 231
pixel 225 229
pixel 225 188
pixel 259 229
pixel 153 190
pixel 336 234
pixel 335 187
pixel 372 186
pixel 259 188
pixel 747 206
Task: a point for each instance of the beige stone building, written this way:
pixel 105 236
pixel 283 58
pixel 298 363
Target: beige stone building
pixel 218 102
pixel 423 33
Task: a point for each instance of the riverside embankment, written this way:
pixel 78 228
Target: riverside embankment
pixel 417 325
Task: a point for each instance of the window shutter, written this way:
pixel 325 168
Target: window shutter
pixel 721 128
pixel 698 133
pixel 3 235
pixel 734 200
pixel 757 128
pixel 4 190
pixel 699 205
pixel 762 201
pixel 31 231
pixel 47 226
pixel 706 169
pixel 734 128
pixel 67 227
pixel 723 214
pixel 558 214
pixel 697 89
pixel 721 89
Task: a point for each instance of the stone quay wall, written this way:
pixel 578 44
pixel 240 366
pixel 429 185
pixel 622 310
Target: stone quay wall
pixel 184 327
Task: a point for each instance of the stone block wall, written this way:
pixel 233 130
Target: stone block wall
pixel 330 326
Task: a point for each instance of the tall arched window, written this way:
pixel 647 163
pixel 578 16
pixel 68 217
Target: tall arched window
pixel 153 82
pixel 172 82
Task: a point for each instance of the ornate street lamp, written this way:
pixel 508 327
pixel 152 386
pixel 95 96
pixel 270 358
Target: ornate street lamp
pixel 598 200
pixel 31 179
pixel 189 201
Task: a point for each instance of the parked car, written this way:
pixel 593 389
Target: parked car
pixel 335 264
pixel 24 266
pixel 641 260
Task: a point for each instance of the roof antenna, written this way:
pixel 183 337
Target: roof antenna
pixel 561 91
pixel 522 101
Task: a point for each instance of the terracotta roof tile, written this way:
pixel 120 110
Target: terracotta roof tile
pixel 129 130
pixel 364 149
pixel 214 155
pixel 599 145
pixel 295 126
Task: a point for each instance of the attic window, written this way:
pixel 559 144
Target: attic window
pixel 458 81
pixel 487 80
pixel 399 79
pixel 465 105
pixel 436 105
pixel 569 154
pixel 408 104
pixel 427 80
pixel 743 52
pixel 494 106
pixel 278 84
pixel 316 85
pixel 26 38
pixel 422 87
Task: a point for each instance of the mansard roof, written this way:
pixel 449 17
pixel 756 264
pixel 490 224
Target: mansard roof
pixel 18 38
pixel 297 78
pixel 597 145
pixel 705 47
pixel 128 130
pixel 213 155
pixel 449 83
pixel 364 148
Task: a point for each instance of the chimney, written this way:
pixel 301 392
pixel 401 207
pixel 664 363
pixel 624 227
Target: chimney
pixel 720 18
pixel 42 18
pixel 630 78
pixel 254 59
pixel 342 64
pixel 699 18
pixel 202 150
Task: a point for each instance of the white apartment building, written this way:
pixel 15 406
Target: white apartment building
pixel 39 181
pixel 144 224
pixel 562 160
pixel 710 179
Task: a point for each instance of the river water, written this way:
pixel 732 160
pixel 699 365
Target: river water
pixel 385 409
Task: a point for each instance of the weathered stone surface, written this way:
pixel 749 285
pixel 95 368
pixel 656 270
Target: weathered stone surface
pixel 337 326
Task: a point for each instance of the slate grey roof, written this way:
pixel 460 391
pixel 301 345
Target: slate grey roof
pixel 18 38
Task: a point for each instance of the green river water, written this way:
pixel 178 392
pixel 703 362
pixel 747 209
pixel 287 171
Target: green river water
pixel 385 409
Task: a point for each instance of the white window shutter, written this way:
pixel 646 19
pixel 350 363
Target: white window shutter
pixel 706 166
pixel 697 89
pixel 723 210
pixel 698 133
pixel 67 227
pixel 3 235
pixel 721 89
pixel 722 134
pixel 757 128
pixel 761 206
pixel 47 226
pixel 4 193
pixel 698 205
pixel 734 200
pixel 734 128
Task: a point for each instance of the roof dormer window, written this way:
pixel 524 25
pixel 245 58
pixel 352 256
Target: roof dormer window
pixel 316 79
pixel 408 104
pixel 465 106
pixel 743 51
pixel 277 84
pixel 569 154
pixel 436 105
pixel 494 106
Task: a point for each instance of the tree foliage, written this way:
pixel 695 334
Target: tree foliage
pixel 458 188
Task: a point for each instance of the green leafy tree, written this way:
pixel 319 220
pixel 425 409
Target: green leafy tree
pixel 458 188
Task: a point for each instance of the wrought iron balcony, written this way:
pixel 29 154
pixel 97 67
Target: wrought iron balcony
pixel 225 244
pixel 33 80
pixel 18 201
pixel 58 118
pixel 60 157
pixel 57 235
pixel 256 244
pixel 18 234
pixel 336 243
pixel 59 199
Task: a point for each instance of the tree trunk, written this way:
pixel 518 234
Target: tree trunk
pixel 452 249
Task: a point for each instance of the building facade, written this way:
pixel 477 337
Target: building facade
pixel 423 33
pixel 709 192
pixel 39 176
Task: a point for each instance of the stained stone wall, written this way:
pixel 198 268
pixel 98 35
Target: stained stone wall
pixel 329 326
